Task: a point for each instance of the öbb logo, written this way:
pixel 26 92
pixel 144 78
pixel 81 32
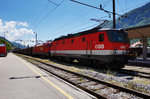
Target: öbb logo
pixel 99 46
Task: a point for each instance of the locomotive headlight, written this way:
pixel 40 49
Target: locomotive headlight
pixel 115 51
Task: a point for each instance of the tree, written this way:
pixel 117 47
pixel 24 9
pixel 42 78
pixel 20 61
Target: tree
pixel 8 45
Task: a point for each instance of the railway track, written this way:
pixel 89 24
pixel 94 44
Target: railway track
pixel 135 73
pixel 98 88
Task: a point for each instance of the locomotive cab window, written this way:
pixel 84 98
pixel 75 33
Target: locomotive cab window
pixel 101 37
pixel 118 36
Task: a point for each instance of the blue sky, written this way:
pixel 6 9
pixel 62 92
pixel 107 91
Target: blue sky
pixel 28 16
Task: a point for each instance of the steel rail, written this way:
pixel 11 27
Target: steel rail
pixel 135 73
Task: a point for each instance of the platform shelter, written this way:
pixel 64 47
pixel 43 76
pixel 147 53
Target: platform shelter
pixel 140 32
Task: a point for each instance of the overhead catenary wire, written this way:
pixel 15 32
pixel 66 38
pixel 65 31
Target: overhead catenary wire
pixel 87 23
pixel 106 3
pixel 120 5
pixel 122 9
pixel 74 20
pixel 88 27
pixel 78 26
pixel 129 18
pixel 50 13
pixel 109 12
pixel 39 15
pixel 70 22
pixel 128 8
pixel 77 30
pixel 137 11
pixel 53 3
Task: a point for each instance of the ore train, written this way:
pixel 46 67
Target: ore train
pixel 3 50
pixel 95 46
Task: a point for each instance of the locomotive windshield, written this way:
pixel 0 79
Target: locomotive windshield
pixel 118 36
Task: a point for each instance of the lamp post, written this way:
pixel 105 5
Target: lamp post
pixel 35 38
pixel 5 37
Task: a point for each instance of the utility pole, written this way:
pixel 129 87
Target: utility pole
pixel 109 12
pixel 36 37
pixel 114 19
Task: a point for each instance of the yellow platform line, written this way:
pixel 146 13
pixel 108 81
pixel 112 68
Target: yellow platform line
pixel 49 82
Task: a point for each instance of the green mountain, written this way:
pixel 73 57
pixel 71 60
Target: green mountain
pixel 18 45
pixel 137 17
pixel 10 45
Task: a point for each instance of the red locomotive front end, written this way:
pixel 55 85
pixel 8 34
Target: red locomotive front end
pixel 3 50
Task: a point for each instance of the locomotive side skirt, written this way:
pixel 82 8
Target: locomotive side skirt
pixel 101 55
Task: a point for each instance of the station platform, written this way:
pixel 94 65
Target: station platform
pixel 20 79
pixel 140 62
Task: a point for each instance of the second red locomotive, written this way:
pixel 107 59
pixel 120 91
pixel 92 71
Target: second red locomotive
pixel 100 46
pixel 41 50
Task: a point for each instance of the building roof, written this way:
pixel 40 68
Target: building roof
pixel 138 32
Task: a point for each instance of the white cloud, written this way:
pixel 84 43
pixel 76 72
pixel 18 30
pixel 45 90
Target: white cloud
pixel 23 24
pixel 10 25
pixel 14 30
pixel 1 22
pixel 26 31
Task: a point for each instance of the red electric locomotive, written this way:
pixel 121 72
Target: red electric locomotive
pixel 95 46
pixel 41 50
pixel 3 50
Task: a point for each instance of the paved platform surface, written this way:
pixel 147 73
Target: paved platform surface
pixel 140 62
pixel 22 80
